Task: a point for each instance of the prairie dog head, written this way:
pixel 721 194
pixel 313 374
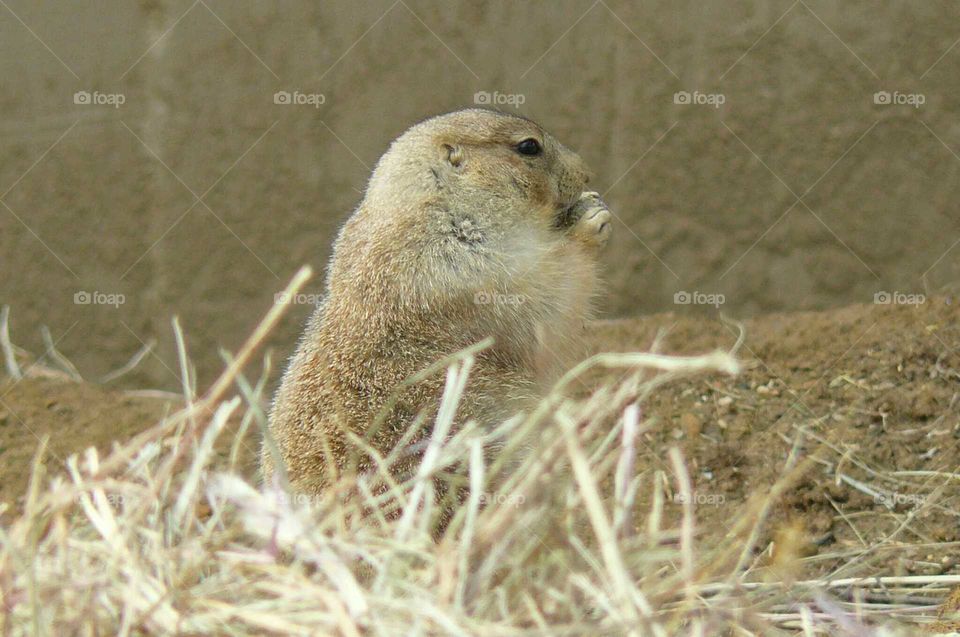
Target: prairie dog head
pixel 483 159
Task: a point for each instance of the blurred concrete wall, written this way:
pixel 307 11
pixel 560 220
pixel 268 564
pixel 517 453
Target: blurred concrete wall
pixel 740 143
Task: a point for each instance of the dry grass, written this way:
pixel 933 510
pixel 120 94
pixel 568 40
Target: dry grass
pixel 161 538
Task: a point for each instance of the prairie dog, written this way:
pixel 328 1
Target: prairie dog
pixel 474 224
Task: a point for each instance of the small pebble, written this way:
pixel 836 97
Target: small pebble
pixel 691 424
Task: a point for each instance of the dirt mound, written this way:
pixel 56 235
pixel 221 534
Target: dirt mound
pixel 73 415
pixel 866 396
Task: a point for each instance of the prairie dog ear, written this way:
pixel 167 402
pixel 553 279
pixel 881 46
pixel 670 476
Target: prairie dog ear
pixel 451 154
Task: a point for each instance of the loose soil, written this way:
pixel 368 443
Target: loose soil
pixel 867 396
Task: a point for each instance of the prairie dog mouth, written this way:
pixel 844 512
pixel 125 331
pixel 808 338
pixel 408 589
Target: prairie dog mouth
pixel 571 214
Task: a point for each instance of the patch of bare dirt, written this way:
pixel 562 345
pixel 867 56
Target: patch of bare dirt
pixel 866 397
pixel 74 416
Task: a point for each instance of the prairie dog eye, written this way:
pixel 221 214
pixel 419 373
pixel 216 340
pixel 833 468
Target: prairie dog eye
pixel 529 147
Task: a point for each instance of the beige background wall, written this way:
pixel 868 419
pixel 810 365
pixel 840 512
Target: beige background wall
pixel 103 199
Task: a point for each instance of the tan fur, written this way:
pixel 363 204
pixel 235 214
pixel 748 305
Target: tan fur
pixel 453 216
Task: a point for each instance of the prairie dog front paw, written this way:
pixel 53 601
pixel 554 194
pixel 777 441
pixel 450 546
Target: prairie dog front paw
pixel 591 220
